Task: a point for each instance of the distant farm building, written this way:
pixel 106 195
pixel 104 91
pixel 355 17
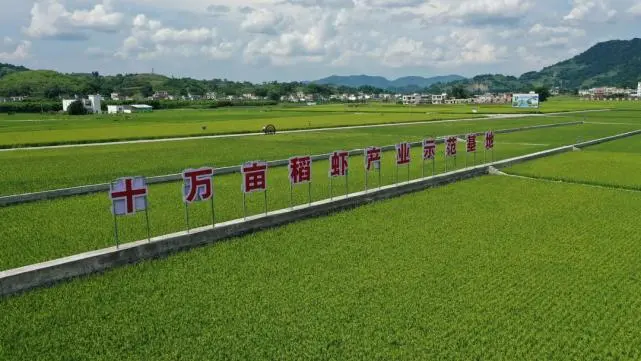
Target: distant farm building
pixel 128 109
pixel 115 109
pixel 92 104
pixel 139 108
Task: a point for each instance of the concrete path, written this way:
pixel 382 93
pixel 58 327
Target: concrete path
pixel 237 135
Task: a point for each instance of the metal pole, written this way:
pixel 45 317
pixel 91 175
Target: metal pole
pixel 423 168
pixel 408 172
pixel 244 206
pixel 366 178
pixel 397 180
pixel 265 200
pixel 309 192
pixel 465 159
pixel 445 162
pixel 331 182
pixel 213 213
pixel 291 195
pixel 187 216
pixel 474 157
pixel 380 183
pixel 147 219
pixel 346 183
pixel 115 224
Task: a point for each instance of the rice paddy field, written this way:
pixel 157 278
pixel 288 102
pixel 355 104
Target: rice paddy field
pixel 35 129
pixel 539 263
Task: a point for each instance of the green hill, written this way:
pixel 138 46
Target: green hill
pixel 615 63
pixel 39 83
pixel 6 69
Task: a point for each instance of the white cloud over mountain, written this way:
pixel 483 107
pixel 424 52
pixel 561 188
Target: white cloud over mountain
pixel 305 39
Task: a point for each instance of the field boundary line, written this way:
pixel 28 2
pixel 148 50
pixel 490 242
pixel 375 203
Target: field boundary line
pixel 103 187
pixel 47 273
pixel 76 144
pixel 575 182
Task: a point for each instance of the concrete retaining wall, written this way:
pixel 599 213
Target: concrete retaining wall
pixel 104 187
pixel 46 273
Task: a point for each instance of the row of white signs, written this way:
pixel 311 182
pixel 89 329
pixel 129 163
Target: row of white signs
pixel 129 194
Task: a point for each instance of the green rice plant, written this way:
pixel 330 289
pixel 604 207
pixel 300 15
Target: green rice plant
pixel 40 231
pixel 468 271
pixel 26 171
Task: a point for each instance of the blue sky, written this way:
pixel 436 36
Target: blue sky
pixel 262 40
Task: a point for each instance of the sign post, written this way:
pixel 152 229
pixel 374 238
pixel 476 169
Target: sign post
pixel 254 176
pixel 372 159
pixel 489 142
pixel 198 186
pixel 450 149
pixel 338 167
pixel 128 195
pixel 471 146
pixel 429 153
pixel 403 158
pixel 300 172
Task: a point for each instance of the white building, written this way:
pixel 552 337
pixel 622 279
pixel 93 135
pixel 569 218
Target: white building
pixel 439 99
pixel 115 109
pixel 415 99
pixel 639 90
pixel 92 104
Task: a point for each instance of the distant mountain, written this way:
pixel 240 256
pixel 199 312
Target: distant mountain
pixel 416 82
pixel 614 63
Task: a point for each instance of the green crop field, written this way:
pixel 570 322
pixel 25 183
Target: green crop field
pixel 440 274
pixel 37 129
pixel 172 123
pixel 497 267
pixel 62 223
pixel 613 164
pixel 555 104
pixel 66 167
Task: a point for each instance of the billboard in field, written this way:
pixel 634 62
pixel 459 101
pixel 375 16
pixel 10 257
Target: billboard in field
pixel 525 101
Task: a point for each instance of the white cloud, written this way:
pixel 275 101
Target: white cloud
pixel 483 12
pixel 264 21
pixel 591 10
pixel 542 30
pixel 50 19
pixel 635 9
pixel 149 39
pixel 20 52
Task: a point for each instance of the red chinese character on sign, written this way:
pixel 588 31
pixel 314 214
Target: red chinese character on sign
pixel 450 150
pixel 128 195
pixel 300 169
pixel 471 143
pixel 429 149
pixel 338 163
pixel 402 153
pixel 372 157
pixel 198 184
pixel 489 140
pixel 254 176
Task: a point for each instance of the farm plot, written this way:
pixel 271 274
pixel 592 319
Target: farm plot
pixel 72 225
pixel 556 104
pixel 169 124
pixel 613 164
pixel 440 274
pixel 36 170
